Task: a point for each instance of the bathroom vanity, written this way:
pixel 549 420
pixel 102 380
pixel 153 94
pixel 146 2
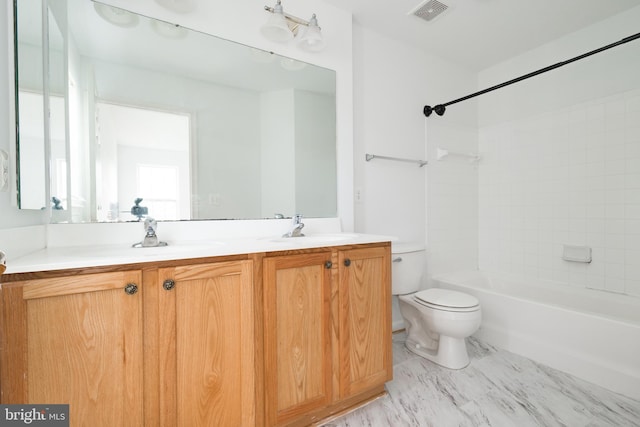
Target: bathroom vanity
pixel 210 337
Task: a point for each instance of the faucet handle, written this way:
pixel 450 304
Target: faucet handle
pixel 297 219
pixel 150 238
pixel 150 226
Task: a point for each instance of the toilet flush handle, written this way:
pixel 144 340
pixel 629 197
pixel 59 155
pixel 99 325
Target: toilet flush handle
pixel 399 259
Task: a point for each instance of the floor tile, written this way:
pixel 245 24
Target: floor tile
pixel 497 389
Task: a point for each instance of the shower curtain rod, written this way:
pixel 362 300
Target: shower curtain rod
pixel 440 108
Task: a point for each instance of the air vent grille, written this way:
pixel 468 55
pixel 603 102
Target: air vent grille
pixel 430 10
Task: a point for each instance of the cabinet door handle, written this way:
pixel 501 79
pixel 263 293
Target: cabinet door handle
pixel 168 284
pixel 328 264
pixel 131 288
pixel 347 262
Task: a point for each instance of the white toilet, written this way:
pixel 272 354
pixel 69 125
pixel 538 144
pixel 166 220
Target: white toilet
pixel 437 320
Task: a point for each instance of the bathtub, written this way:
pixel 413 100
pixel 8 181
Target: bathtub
pixel 591 334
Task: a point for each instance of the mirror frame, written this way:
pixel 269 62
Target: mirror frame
pixel 12 84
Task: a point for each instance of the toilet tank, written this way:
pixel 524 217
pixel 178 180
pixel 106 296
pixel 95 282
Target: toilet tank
pixel 406 267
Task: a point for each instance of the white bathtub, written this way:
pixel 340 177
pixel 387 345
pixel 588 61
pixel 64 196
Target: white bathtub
pixel 593 335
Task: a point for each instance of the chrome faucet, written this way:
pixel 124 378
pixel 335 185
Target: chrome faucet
pixel 296 228
pixel 150 239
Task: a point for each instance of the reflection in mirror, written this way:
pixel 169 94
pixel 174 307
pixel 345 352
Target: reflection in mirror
pixel 146 152
pixel 196 126
pixel 41 137
pixel 56 99
pixel 30 105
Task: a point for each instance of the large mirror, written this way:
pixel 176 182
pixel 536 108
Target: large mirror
pixel 195 126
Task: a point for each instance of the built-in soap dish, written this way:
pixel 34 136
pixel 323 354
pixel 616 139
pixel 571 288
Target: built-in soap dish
pixel 576 253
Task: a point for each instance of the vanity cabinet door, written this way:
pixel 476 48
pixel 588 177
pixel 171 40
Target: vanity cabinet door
pixel 365 319
pixel 75 340
pixel 297 335
pixel 206 346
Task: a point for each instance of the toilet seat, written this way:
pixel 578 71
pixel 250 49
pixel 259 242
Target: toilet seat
pixel 447 300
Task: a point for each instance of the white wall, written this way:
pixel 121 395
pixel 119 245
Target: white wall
pixel 561 161
pixel 393 84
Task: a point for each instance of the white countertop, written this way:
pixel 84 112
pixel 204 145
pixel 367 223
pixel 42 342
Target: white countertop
pixel 84 256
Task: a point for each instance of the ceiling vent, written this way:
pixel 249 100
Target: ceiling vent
pixel 429 10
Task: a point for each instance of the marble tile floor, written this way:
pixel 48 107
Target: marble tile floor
pixel 497 389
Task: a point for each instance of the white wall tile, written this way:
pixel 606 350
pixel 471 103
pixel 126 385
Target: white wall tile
pixel 632 226
pixel 632 271
pixel 572 179
pixel 632 287
pixel 614 284
pixel 614 226
pixel 614 271
pixel 632 180
pixel 595 282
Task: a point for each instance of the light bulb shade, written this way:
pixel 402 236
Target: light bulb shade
pixel 261 56
pixel 290 64
pixel 180 6
pixel 311 39
pixel 170 31
pixel 276 28
pixel 116 16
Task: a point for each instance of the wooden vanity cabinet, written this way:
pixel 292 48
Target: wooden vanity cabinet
pixel 153 347
pixel 204 345
pixel 366 359
pixel 327 332
pixel 271 339
pixel 75 340
pixel 297 335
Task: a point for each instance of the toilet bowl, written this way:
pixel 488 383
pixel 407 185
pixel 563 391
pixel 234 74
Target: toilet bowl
pixel 437 321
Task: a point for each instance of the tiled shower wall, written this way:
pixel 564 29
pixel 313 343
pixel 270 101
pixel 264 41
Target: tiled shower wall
pixel 569 176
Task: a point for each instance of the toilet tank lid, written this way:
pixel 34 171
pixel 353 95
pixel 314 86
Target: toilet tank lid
pixel 406 247
pixel 447 298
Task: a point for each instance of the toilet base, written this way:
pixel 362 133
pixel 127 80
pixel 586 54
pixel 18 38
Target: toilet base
pixel 451 352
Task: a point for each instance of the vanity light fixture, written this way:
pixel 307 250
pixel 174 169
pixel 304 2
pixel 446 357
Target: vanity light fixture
pixel 282 27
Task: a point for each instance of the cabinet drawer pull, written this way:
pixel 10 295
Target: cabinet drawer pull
pixel 168 284
pixel 328 264
pixel 347 262
pixel 131 288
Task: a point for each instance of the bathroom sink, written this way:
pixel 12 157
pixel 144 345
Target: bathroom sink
pixel 177 248
pixel 118 251
pixel 317 238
